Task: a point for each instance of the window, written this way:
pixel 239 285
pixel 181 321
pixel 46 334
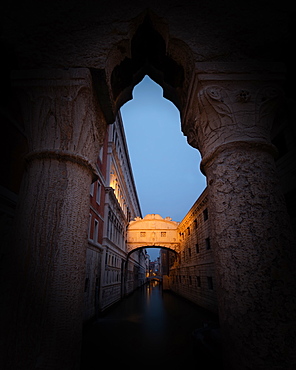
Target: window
pixel 98 199
pixel 142 234
pixel 189 252
pixel 89 225
pixel 197 248
pixel 91 189
pixel 188 230
pixel 96 231
pixel 205 214
pixel 198 282
pixel 163 234
pixel 208 244
pixel 195 223
pixel 101 153
pixel 210 282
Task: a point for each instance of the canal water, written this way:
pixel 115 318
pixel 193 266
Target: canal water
pixel 151 327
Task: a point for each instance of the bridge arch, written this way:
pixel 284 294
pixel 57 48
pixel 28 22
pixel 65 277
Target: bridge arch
pixel 152 246
pixel 152 231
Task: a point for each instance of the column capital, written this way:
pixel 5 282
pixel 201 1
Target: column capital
pixel 61 116
pixel 232 103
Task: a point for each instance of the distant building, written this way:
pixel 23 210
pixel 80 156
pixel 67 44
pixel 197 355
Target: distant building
pixel 154 267
pixel 192 275
pixel 113 203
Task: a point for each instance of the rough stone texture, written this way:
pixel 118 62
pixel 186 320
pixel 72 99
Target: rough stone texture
pixel 46 266
pixel 254 259
pixel 49 266
pixel 252 237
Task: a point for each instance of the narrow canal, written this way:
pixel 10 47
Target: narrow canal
pixel 151 327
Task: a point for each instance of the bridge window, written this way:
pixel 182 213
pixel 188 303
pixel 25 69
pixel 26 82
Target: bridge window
pixel 163 234
pixel 143 234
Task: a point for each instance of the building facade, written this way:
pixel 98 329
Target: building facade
pixel 193 274
pixel 113 203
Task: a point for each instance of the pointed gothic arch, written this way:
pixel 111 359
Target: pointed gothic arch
pixel 151 51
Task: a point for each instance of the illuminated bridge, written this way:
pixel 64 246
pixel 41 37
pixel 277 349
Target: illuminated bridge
pixel 152 231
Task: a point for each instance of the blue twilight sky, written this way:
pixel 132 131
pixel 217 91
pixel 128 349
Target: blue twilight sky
pixel 166 169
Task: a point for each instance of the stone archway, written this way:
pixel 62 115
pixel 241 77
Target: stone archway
pixel 226 110
pixel 150 51
pixel 170 247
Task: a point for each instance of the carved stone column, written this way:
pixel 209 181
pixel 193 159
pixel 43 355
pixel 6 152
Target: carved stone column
pixel 65 129
pixel 229 121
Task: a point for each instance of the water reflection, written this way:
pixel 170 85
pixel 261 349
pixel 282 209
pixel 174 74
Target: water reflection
pixel 149 324
pixel 154 319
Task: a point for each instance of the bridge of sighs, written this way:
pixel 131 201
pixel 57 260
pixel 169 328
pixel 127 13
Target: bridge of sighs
pixel 152 231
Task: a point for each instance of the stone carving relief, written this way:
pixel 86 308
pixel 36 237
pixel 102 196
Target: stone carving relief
pixel 216 112
pixel 62 118
pixel 243 96
pixel 230 111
